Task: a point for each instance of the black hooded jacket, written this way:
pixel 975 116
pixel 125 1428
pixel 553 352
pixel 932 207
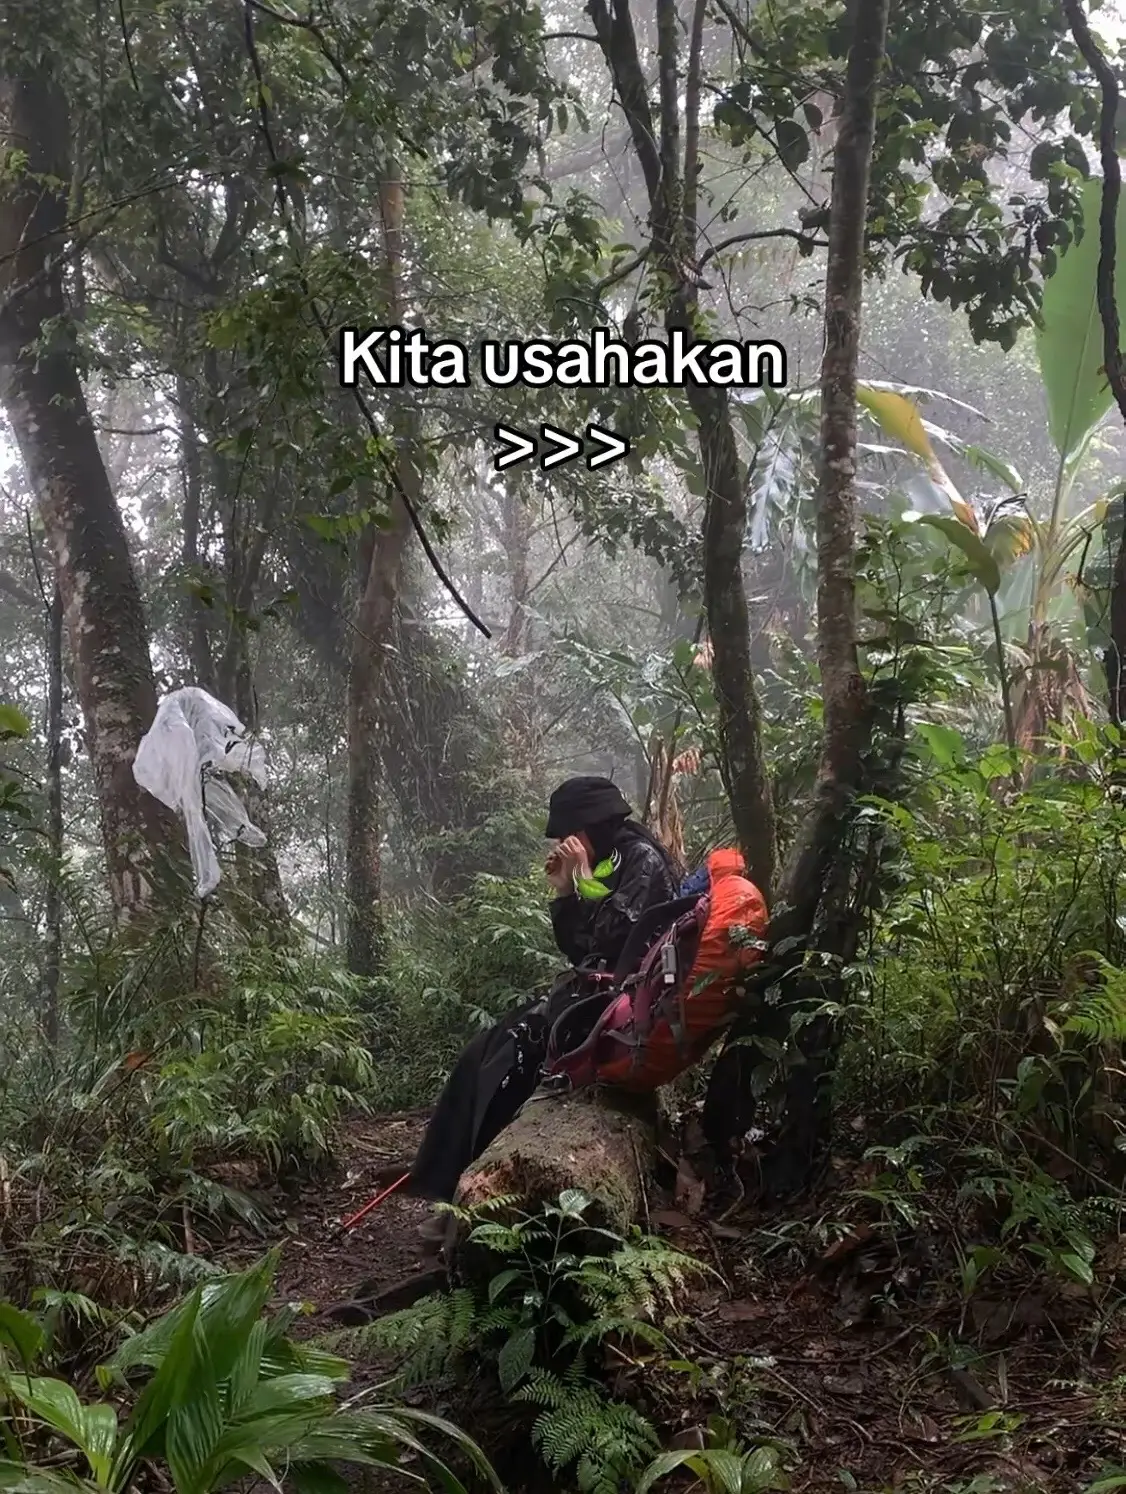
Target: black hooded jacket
pixel 590 931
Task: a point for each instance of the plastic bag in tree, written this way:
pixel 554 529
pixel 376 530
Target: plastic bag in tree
pixel 194 738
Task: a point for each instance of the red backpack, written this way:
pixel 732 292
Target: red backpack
pixel 684 993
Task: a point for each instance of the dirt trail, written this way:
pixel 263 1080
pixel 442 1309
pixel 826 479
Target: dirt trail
pixel 852 1354
pixel 322 1269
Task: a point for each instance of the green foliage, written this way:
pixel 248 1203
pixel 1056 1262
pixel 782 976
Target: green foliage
pixel 940 121
pixel 284 1061
pixel 563 1289
pixel 725 1465
pixel 215 1390
pixel 176 1093
pixel 580 1428
pixel 454 970
pixel 15 801
pixel 1069 342
pixel 992 993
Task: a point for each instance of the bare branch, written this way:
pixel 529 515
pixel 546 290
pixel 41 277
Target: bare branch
pixel 795 235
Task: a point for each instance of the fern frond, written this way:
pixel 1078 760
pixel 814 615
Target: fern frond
pixel 606 1441
pixel 427 1340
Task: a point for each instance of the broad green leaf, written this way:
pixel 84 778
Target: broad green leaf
pixel 260 1464
pixel 760 1469
pixel 899 417
pixel 989 461
pixel 661 1467
pixel 1069 341
pixel 192 1436
pixel 166 1388
pixel 793 143
pixel 99 1438
pixel 573 1202
pixel 726 1469
pixel 1009 537
pixel 1077 1267
pixel 980 561
pixel 515 1358
pixel 13 722
pixel 21 1478
pixel 19 1333
pixel 286 1395
pixel 945 745
pixel 52 1401
pixel 246 1373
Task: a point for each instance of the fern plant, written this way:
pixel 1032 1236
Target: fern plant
pixel 580 1426
pixel 538 1321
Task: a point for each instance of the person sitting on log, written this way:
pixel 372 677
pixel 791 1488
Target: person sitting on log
pixel 606 870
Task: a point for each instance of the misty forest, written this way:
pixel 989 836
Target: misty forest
pixel 686 817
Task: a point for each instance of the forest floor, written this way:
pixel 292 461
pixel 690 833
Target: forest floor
pixel 859 1351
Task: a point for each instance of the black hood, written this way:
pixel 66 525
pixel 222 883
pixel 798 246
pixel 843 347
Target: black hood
pixel 582 803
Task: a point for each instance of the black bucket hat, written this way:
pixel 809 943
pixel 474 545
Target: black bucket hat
pixel 582 802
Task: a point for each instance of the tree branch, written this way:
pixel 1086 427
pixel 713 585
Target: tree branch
pixel 584 160
pixel 692 122
pixel 794 234
pixel 619 44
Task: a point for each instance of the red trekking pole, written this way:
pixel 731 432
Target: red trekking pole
pixel 362 1214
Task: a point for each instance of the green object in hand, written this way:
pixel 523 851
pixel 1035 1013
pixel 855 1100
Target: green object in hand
pixel 593 888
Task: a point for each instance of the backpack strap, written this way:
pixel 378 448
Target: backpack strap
pixel 661 915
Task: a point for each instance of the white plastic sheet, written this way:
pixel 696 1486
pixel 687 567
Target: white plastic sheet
pixel 193 739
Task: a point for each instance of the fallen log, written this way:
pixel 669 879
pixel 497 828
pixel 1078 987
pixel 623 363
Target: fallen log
pixel 602 1142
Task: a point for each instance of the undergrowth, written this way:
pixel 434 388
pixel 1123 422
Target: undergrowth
pixel 452 971
pixel 190 1075
pixel 564 1299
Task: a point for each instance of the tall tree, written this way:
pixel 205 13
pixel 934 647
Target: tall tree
pixel 1114 659
pixel 672 172
pixel 42 392
pixel 380 581
pixel 817 881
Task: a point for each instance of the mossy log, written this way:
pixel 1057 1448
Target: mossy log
pixel 602 1142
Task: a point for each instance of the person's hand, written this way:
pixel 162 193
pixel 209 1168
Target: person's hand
pixel 568 860
pixel 575 853
pixel 557 869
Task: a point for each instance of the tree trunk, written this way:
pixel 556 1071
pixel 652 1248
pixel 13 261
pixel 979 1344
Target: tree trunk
pixel 258 873
pixel 197 637
pixel 41 390
pixel 1114 659
pixel 671 187
pixel 818 881
pixel 53 900
pixel 370 641
pixel 846 722
pixel 729 631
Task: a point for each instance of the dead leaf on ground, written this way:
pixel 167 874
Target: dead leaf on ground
pixel 727 1231
pixel 744 1312
pixel 845 1385
pixel 689 1192
pixel 672 1219
pixel 859 1235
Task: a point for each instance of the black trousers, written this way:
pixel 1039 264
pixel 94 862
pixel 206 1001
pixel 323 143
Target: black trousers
pixel 497 1073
